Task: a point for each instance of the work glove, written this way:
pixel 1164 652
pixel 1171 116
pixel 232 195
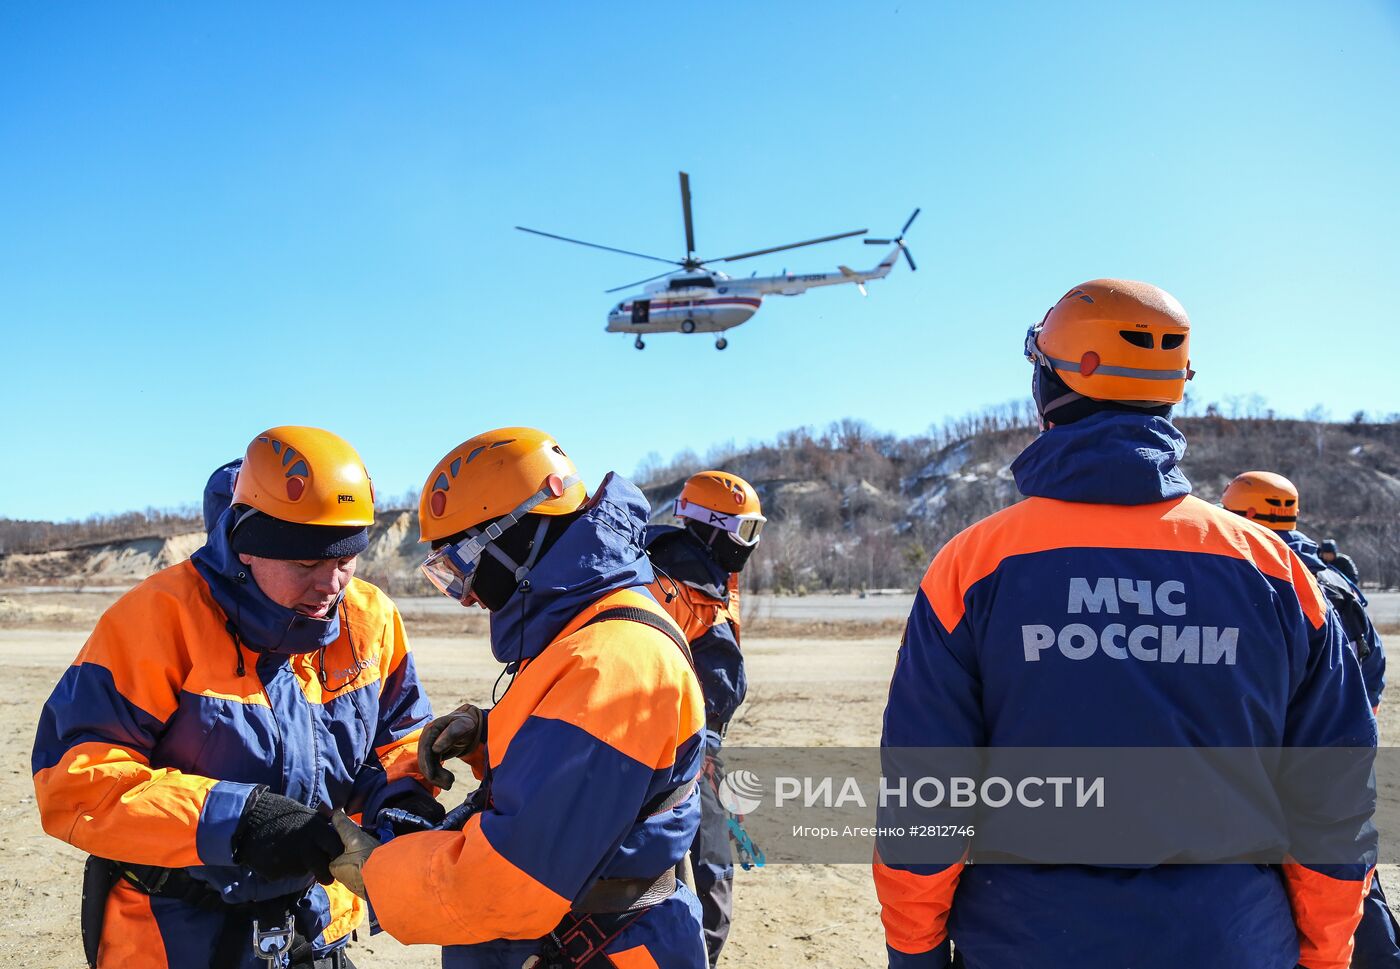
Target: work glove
pixel 282 838
pixel 348 868
pixel 456 734
pixel 413 810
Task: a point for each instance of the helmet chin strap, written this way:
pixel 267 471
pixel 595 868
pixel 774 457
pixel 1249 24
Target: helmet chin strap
pixel 516 569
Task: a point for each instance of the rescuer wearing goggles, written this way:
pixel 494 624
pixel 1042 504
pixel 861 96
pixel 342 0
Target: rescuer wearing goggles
pixel 589 759
pixel 698 564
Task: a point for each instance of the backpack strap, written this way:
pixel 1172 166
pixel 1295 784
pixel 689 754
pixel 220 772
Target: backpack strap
pixel 647 618
pixel 1342 596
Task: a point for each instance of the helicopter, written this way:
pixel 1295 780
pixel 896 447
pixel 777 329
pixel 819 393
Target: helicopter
pixel 697 299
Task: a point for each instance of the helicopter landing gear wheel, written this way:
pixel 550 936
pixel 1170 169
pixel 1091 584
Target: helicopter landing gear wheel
pixel 721 343
pixel 688 326
pixel 639 344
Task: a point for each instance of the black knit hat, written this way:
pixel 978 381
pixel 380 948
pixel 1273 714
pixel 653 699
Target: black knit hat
pixel 255 533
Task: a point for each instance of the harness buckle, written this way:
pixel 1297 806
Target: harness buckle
pixel 272 945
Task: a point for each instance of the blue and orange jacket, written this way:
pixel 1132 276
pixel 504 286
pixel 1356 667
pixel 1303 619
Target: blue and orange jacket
pixel 703 599
pixel 1372 651
pixel 152 742
pixel 600 722
pixel 1105 499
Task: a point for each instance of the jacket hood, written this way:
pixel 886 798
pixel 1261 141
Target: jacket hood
pixel 263 625
pixel 1110 458
pixel 1306 549
pixel 601 552
pixel 677 554
pixel 218 492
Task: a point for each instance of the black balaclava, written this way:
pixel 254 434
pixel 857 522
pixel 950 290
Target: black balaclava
pixel 727 553
pixel 1057 404
pixel 494 583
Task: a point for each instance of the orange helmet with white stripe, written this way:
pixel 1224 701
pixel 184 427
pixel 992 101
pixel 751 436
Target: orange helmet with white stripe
pixel 1262 496
pixel 725 501
pixel 493 474
pixel 1116 339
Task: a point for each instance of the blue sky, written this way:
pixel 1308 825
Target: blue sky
pixel 214 219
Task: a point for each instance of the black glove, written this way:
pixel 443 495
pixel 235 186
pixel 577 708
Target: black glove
pixel 281 838
pixel 416 803
pixel 456 734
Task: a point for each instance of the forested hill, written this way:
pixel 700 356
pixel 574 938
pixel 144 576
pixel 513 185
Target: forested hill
pixel 849 508
pixel 853 509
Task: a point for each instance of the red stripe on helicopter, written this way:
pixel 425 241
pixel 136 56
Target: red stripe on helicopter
pixel 684 304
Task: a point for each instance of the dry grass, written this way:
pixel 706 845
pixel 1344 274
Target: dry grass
pixel 465 622
pixel 766 628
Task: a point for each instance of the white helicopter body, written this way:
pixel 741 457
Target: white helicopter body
pixel 712 302
pixel 701 300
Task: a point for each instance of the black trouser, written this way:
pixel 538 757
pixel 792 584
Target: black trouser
pixel 712 858
pixel 1378 936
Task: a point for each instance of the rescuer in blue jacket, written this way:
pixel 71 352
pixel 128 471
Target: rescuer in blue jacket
pixel 698 565
pixel 221 710
pixel 1273 501
pixel 589 759
pixel 1113 608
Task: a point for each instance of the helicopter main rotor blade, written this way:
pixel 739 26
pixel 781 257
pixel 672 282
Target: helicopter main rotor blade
pixel 594 245
pixel 910 222
pixel 618 289
pixel 689 223
pixel 792 245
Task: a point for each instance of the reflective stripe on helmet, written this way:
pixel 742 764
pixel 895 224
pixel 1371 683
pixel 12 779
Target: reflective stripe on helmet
pixel 1111 371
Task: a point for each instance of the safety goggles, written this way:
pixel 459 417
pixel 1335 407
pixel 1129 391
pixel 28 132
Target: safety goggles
pixel 1033 352
pixel 452 568
pixel 744 529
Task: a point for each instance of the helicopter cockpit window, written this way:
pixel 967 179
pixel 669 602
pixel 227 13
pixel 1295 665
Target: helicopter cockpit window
pixel 690 282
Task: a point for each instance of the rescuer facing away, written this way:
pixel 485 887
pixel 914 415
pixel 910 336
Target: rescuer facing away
pixel 1272 500
pixel 221 709
pixel 1105 499
pixel 698 565
pixel 588 761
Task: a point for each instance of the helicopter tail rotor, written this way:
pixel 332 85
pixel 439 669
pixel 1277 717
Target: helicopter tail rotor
pixel 899 241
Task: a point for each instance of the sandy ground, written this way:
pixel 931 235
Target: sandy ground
pixel 811 691
pixel 804 690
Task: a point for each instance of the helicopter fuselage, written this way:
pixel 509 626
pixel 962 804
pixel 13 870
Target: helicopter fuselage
pixel 712 308
pixel 702 300
pixel 711 302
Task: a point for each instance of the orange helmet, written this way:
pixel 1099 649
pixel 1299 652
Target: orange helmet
pixel 495 474
pixel 1115 339
pixel 723 500
pixel 306 476
pixel 1264 497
